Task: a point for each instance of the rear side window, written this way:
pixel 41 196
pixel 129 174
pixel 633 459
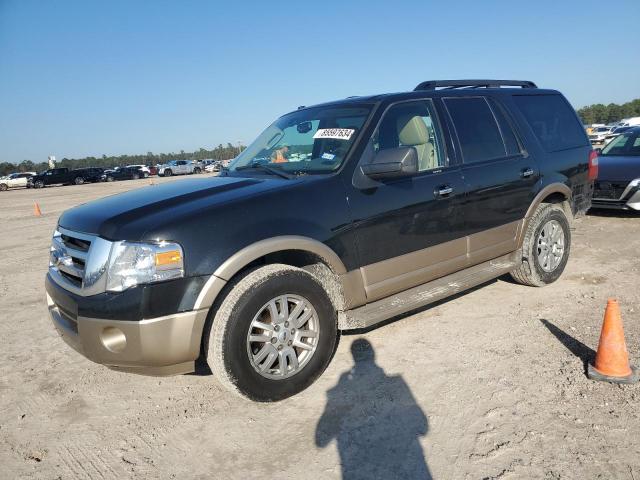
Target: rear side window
pixel 476 127
pixel 553 121
pixel 506 128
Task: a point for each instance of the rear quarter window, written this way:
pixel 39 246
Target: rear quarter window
pixel 552 120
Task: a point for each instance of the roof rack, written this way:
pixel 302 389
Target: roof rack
pixel 451 84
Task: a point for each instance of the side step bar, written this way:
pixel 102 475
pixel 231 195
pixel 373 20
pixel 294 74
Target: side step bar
pixel 403 302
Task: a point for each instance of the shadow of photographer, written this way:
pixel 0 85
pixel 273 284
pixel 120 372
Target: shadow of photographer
pixel 375 421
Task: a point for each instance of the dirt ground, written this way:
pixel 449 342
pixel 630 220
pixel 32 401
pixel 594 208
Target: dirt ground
pixel 490 384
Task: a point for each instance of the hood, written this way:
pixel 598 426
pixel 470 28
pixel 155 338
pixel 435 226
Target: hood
pixel 617 168
pixel 127 216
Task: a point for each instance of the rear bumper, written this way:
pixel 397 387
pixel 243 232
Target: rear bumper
pixel 166 345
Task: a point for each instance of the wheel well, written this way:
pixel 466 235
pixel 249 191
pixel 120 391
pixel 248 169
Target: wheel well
pixel 561 199
pixel 312 263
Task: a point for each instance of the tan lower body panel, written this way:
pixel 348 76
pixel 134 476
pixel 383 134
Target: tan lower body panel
pixel 159 346
pixel 394 275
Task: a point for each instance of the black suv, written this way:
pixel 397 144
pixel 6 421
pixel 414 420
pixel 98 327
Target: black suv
pixel 337 217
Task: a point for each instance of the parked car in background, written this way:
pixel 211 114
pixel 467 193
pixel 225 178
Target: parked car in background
pixel 90 174
pixel 57 176
pixel 408 198
pixel 618 184
pixel 599 134
pixel 15 180
pixel 146 171
pixel 122 173
pixel 179 167
pixel 153 170
pixel 211 166
pixel 614 133
pixel 629 122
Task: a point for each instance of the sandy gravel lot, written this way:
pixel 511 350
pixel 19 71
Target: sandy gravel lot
pixel 489 384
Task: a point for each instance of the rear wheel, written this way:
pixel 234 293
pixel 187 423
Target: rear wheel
pixel 168 173
pixel 4 187
pixel 78 181
pixel 546 247
pixel 39 184
pixel 273 334
pixel 197 170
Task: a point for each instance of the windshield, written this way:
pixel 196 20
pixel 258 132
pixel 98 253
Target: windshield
pixel 312 140
pixel 627 144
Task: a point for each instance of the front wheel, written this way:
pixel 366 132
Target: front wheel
pixel 197 170
pixel 546 247
pixel 167 173
pixel 110 179
pixel 3 187
pixel 273 334
pixel 79 180
pixel 39 184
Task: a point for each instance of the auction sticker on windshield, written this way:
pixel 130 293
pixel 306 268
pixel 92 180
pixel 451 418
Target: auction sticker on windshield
pixel 337 133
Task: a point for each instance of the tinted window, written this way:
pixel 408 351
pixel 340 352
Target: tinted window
pixel 506 128
pixel 476 127
pixel 626 145
pixel 412 124
pixel 553 121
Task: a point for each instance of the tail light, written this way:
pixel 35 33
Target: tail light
pixel 593 165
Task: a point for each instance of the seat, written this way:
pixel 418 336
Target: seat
pixel 413 132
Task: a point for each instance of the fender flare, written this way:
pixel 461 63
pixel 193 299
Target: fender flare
pixel 542 194
pixel 252 252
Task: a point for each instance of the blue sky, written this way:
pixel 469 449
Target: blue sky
pixel 82 78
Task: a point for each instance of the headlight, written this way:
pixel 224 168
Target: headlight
pixel 131 264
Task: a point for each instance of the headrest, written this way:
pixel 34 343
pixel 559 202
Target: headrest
pixel 412 130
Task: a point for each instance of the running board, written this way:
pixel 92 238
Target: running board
pixel 403 302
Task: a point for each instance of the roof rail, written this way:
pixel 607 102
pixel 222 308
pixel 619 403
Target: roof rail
pixel 451 84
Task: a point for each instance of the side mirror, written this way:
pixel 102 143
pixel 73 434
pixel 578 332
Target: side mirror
pixel 392 163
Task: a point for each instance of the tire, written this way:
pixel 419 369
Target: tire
pixel 197 170
pixel 39 184
pixel 145 175
pixel 78 181
pixel 110 179
pixel 167 173
pixel 536 272
pixel 229 347
pixel 3 187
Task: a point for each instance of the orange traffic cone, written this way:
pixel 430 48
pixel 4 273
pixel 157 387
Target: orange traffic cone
pixel 612 358
pixel 36 209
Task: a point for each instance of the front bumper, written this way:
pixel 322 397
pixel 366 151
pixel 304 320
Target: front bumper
pixel 611 197
pixel 167 345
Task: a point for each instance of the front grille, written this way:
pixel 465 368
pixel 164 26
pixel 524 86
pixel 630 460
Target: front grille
pixel 78 261
pixel 609 190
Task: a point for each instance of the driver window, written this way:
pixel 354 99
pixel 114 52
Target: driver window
pixel 412 124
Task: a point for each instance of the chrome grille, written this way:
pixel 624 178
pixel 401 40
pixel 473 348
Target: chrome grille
pixel 78 261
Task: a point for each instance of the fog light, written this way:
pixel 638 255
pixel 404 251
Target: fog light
pixel 113 339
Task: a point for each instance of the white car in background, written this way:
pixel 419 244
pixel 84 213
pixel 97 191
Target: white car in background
pixel 143 168
pixel 179 167
pixel 15 180
pixel 599 134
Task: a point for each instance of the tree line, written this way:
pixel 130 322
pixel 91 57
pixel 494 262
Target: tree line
pixel 600 113
pixel 221 152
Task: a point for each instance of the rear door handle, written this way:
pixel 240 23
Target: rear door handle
pixel 526 172
pixel 443 191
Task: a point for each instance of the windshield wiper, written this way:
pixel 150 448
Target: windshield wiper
pixel 260 166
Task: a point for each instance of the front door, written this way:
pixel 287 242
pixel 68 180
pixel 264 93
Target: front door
pixel 409 230
pixel 500 176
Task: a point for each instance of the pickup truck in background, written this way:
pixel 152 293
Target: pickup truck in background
pixel 57 176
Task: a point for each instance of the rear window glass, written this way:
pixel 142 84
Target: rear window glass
pixel 476 127
pixel 553 121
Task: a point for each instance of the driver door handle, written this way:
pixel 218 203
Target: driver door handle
pixel 443 191
pixel 526 172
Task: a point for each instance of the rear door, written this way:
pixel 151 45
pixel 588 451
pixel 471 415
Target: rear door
pixel 499 174
pixel 409 230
